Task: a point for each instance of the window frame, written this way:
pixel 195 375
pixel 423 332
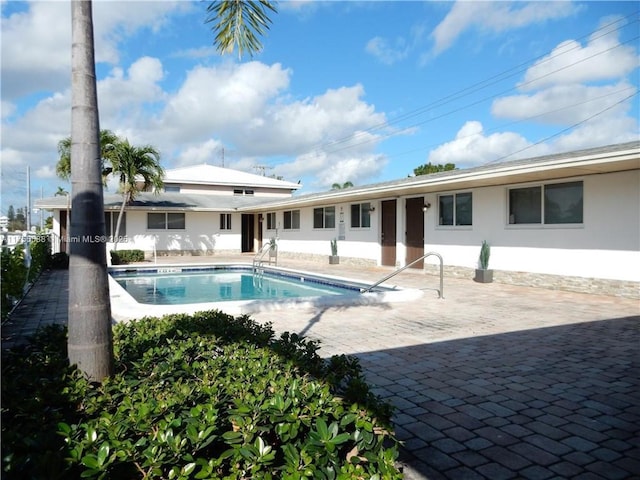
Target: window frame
pixel 225 221
pixel 363 213
pixel 541 217
pixel 327 215
pixel 294 217
pixel 271 220
pixel 456 205
pixel 172 221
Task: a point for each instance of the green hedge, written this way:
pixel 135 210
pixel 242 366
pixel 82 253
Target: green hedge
pixel 202 396
pixel 124 257
pixel 15 276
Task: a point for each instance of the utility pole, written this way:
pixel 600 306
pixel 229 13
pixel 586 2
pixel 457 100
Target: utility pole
pixel 28 212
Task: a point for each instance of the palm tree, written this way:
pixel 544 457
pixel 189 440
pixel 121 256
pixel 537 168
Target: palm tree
pixel 90 342
pixel 239 23
pixel 63 193
pixel 338 186
pixel 138 169
pixel 108 142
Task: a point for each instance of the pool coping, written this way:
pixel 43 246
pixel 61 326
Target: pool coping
pixel 124 307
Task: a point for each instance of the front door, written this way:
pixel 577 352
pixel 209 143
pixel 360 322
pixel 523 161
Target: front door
pixel 415 231
pixel 247 232
pixel 388 237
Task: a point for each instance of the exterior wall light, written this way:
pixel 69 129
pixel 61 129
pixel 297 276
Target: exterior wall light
pixel 426 207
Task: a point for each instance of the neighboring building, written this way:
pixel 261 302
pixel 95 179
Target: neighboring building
pixel 570 220
pixel 4 223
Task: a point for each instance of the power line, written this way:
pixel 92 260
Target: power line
pixel 523 66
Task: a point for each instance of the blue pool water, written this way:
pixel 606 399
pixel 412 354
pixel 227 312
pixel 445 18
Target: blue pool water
pixel 167 287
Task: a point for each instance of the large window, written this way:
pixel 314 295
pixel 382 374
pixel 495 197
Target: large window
pixel 271 221
pixel 225 221
pixel 553 204
pixel 165 221
pixel 324 217
pixel 292 219
pixel 455 209
pixel 111 221
pixel 361 215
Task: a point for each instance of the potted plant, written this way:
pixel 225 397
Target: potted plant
pixel 483 274
pixel 334 259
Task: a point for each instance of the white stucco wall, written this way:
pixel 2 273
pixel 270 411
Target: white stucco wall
pixel 201 234
pixel 606 245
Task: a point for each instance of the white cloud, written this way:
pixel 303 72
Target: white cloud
pixel 495 17
pixel 210 152
pixel 36 43
pixel 472 147
pixel 603 58
pixel 386 52
pixel 564 104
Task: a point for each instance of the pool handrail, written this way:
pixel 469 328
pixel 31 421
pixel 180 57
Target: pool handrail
pixel 395 272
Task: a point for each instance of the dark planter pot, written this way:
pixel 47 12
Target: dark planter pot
pixel 484 276
pixel 334 260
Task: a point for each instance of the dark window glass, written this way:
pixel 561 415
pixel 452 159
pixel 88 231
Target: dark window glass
pixel 525 205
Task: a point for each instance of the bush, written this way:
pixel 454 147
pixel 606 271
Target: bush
pixel 202 396
pixel 59 261
pixel 16 276
pixel 124 257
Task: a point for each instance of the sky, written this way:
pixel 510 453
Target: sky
pixel 342 91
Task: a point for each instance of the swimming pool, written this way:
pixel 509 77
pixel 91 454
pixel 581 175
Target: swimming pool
pixel 222 285
pixel 234 289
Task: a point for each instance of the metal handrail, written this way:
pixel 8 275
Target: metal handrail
pixel 258 259
pixel 394 273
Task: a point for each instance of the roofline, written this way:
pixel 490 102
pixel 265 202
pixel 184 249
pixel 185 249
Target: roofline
pixel 569 164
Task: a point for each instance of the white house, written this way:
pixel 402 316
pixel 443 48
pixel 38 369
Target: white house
pixel 570 220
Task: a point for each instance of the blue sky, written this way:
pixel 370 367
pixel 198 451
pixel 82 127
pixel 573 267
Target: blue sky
pixel 343 91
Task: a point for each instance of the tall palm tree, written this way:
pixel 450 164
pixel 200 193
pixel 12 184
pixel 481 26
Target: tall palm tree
pixel 108 142
pixel 90 342
pixel 138 169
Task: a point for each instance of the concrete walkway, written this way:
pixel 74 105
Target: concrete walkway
pixel 492 382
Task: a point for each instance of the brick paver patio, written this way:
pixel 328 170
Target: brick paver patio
pixel 493 382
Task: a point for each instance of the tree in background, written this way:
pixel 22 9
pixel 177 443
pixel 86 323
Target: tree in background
pixel 338 186
pixel 108 141
pixel 429 168
pixel 138 169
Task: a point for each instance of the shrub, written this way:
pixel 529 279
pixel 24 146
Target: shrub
pixel 202 396
pixel 16 276
pixel 124 257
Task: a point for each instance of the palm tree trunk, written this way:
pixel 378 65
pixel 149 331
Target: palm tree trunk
pixel 90 341
pixel 116 234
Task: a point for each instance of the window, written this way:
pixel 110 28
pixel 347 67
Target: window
pixel 455 209
pixel 225 221
pixel 248 192
pixel 292 219
pixel 172 188
pixel 324 217
pixel 165 221
pixel 361 215
pixel 558 203
pixel 271 221
pixel 241 191
pixel 111 222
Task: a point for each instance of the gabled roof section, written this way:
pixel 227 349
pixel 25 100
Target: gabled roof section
pixel 210 175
